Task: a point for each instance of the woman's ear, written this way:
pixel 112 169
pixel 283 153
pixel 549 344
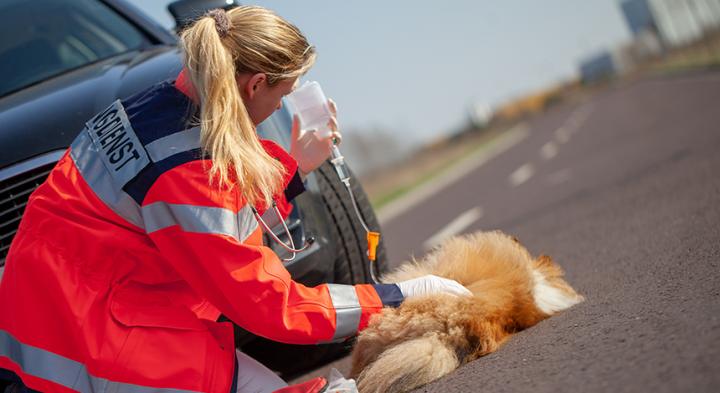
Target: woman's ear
pixel 252 83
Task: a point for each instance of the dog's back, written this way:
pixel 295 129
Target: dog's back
pixel 426 338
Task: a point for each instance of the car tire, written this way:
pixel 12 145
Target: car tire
pixel 351 267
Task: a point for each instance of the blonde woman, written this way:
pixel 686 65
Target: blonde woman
pixel 145 233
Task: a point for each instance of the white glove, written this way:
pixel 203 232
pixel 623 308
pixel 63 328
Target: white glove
pixel 308 148
pixel 428 285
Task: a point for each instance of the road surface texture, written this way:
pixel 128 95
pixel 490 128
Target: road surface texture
pixel 623 190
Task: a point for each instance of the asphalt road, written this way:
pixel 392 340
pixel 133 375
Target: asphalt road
pixel 623 190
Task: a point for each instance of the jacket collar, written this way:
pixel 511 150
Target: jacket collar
pixel 184 85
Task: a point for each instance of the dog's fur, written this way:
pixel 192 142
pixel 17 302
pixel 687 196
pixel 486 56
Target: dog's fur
pixel 428 337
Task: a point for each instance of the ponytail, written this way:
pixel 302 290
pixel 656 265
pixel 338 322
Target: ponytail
pixel 213 55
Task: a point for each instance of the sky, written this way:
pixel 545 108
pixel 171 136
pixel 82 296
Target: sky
pixel 414 68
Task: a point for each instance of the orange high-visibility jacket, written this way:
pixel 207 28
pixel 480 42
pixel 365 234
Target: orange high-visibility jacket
pixel 127 255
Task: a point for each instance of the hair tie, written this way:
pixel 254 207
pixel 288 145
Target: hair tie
pixel 222 23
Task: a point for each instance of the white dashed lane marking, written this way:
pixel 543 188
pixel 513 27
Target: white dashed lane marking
pixel 521 175
pixel 498 146
pixel 549 150
pixel 454 227
pixel 562 134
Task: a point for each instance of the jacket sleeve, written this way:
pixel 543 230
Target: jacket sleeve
pixel 213 240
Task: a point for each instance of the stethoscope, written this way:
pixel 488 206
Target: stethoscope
pixel 373 238
pixel 289 247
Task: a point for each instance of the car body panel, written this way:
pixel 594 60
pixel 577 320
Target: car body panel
pixel 43 119
pixel 48 116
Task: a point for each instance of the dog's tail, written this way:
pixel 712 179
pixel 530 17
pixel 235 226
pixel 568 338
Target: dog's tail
pixel 408 365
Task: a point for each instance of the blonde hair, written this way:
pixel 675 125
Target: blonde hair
pixel 216 48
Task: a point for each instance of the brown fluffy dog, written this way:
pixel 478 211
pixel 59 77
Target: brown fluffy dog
pixel 426 338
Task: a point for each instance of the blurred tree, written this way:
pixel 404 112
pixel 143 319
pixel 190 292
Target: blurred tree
pixel 368 150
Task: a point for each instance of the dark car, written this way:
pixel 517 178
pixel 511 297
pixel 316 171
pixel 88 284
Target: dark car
pixel 62 61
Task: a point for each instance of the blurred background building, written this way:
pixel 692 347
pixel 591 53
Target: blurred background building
pixel 657 26
pixel 638 15
pixel 601 65
pixel 680 22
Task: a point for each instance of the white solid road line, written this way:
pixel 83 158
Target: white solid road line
pixel 521 175
pixel 497 146
pixel 454 227
pixel 549 150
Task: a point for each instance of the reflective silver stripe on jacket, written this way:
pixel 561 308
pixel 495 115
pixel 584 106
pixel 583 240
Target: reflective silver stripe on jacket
pixel 87 159
pixel 200 219
pixel 347 311
pixel 178 142
pixel 66 372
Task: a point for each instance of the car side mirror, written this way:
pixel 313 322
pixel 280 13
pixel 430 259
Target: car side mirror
pixel 187 11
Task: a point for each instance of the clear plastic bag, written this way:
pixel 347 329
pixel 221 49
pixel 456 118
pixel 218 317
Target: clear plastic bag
pixel 338 384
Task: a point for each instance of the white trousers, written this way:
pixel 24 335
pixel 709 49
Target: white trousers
pixel 253 377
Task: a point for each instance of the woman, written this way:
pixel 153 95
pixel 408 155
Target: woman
pixel 146 232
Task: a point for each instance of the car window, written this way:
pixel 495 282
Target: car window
pixel 41 39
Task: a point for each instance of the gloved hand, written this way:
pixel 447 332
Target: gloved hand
pixel 309 149
pixel 430 284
